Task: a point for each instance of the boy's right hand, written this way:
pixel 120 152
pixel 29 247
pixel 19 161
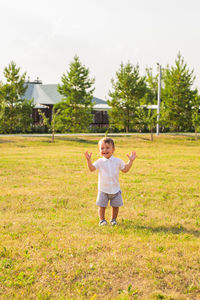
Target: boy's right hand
pixel 89 163
pixel 87 155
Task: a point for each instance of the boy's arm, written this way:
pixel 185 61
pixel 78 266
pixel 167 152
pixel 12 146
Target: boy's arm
pixel 132 157
pixel 89 163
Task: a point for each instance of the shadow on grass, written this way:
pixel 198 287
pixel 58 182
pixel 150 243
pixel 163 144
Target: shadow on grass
pixel 6 141
pixel 145 139
pixel 78 140
pixel 171 229
pixel 127 225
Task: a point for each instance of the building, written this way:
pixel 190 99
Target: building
pixel 46 95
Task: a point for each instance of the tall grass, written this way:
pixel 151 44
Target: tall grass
pixel 51 246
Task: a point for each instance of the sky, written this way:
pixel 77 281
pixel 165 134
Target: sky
pixel 43 36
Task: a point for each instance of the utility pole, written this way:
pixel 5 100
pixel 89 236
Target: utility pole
pixel 158 100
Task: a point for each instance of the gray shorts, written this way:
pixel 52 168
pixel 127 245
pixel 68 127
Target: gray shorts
pixel 115 199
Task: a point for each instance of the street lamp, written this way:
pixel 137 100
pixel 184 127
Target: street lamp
pixel 158 99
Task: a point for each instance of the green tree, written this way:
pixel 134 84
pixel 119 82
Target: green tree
pixel 50 124
pixel 2 104
pixel 178 95
pixel 128 90
pixel 2 111
pixel 17 111
pixel 148 115
pixel 196 114
pixel 76 106
pixel 148 118
pixel 152 87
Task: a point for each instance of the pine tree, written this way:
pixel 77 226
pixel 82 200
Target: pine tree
pixel 148 116
pixel 196 114
pixel 17 110
pixel 76 106
pixel 128 90
pixel 178 95
pixel 152 85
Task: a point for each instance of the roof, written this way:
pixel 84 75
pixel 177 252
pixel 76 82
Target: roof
pixel 47 94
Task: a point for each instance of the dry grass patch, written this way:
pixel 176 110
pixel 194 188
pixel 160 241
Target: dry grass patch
pixel 51 246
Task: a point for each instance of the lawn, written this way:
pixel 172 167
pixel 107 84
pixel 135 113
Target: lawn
pixel 51 246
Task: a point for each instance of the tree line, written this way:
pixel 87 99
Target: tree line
pixel 130 98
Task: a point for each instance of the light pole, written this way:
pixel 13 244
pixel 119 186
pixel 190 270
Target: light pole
pixel 158 100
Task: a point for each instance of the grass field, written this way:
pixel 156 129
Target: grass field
pixel 51 246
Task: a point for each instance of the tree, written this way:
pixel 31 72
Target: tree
pixel 128 90
pixel 76 106
pixel 2 103
pixel 196 114
pixel 2 111
pixel 148 116
pixel 17 111
pixel 152 87
pixel 178 95
pixel 51 124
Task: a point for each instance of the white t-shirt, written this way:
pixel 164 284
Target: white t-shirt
pixel 108 181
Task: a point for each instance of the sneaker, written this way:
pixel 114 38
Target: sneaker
pixel 103 223
pixel 113 222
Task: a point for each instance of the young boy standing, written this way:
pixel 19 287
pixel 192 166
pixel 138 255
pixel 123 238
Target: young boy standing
pixel 108 182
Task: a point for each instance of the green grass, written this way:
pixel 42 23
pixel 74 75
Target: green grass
pixel 51 246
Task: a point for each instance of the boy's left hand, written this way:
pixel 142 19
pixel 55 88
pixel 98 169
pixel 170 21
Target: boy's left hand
pixel 87 155
pixel 132 157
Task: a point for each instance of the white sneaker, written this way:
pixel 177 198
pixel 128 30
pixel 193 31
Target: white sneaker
pixel 102 223
pixel 113 222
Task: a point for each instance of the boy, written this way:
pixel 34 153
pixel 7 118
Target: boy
pixel 108 182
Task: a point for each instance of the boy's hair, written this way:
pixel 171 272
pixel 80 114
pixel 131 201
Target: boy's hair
pixel 108 141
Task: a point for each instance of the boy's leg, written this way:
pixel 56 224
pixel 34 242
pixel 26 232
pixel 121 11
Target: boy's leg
pixel 102 213
pixel 115 202
pixel 102 202
pixel 115 211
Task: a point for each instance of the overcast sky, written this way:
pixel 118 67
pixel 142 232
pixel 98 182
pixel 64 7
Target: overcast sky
pixel 42 36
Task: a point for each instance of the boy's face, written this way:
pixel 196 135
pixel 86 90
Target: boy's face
pixel 106 149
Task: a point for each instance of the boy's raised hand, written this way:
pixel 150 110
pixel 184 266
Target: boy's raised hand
pixel 89 163
pixel 132 157
pixel 87 155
